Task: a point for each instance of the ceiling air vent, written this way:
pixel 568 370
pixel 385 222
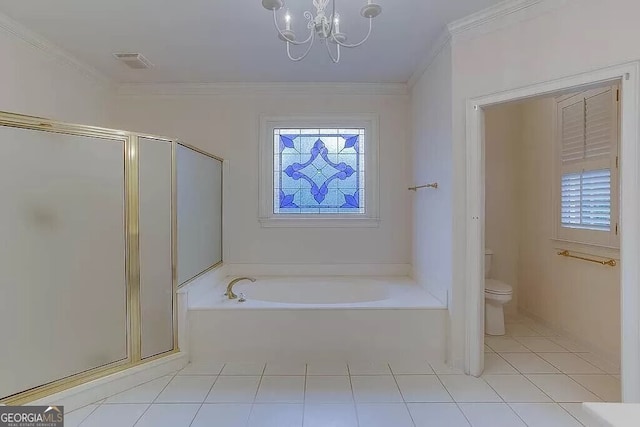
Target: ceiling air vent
pixel 134 60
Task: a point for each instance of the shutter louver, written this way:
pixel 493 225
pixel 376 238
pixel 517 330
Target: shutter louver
pixel 599 114
pixel 587 129
pixel 586 200
pixel 573 132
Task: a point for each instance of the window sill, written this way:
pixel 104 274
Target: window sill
pixel 314 222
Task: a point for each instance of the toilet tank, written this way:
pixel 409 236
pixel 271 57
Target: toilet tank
pixel 488 254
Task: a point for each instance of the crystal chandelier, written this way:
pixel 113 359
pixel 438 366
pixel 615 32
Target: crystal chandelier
pixel 323 26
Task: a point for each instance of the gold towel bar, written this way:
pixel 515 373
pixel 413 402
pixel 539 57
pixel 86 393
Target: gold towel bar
pixel 433 185
pixel 611 262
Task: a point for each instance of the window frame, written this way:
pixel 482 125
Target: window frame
pixel 585 236
pixel 370 218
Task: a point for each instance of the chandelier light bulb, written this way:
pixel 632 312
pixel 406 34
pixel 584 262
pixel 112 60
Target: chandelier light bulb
pixel 287 20
pixel 336 23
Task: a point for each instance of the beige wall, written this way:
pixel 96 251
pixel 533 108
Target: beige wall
pixel 503 131
pixel 580 298
pixel 228 125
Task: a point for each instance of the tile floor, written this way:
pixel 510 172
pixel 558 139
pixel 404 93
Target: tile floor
pixel 532 378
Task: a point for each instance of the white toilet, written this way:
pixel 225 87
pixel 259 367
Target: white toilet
pixel 496 295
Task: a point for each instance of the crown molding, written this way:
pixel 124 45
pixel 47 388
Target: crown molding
pixel 249 89
pixel 36 41
pixel 489 14
pixel 443 40
pixel 479 19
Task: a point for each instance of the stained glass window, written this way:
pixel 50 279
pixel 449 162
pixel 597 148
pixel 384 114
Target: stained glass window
pixel 319 171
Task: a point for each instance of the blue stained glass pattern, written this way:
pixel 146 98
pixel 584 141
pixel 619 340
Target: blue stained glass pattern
pixel 319 171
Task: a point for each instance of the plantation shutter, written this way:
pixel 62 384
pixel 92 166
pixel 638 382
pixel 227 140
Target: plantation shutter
pixel 599 126
pixel 588 139
pixel 573 132
pixel 586 199
pixel 587 129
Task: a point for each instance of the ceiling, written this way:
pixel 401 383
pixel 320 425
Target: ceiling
pixel 214 41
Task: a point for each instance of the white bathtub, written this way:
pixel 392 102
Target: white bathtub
pixel 311 318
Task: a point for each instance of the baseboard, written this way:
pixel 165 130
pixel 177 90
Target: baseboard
pixel 319 269
pixel 102 388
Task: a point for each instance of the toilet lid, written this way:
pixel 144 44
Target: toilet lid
pixel 496 287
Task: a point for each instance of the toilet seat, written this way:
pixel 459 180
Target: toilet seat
pixel 496 287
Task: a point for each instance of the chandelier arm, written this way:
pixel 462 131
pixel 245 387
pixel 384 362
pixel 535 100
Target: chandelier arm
pixel 333 37
pixel 337 58
pixel 304 55
pixel 275 22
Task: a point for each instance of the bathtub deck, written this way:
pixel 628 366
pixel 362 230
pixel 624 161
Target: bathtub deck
pixel 404 293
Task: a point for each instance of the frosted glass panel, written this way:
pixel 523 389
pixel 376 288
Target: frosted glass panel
pixel 199 212
pixel 156 286
pixel 61 256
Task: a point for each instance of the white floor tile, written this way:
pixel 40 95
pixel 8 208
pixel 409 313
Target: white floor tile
pixel 541 344
pixel 384 415
pixel 544 415
pixel 276 415
pixel 530 363
pixel 568 344
pixel 369 368
pixel 437 415
pixel 598 362
pixel 561 388
pixel 250 369
pixel 222 414
pixel 516 388
pixel 578 412
pixel 169 415
pixel 284 368
pixel 520 330
pixel 491 415
pixel 542 330
pixel 513 318
pixel 411 367
pixel 144 393
pixel 505 344
pixel 240 389
pixel 186 389
pixel 281 389
pixel 605 387
pixel 495 364
pixel 375 388
pixel 202 368
pixel 570 363
pixel 328 389
pixel 465 388
pixel 330 415
pixel 121 415
pixel 444 369
pixel 422 388
pixel 74 418
pixel 327 368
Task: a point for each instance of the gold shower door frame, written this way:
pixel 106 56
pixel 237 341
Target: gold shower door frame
pixel 131 255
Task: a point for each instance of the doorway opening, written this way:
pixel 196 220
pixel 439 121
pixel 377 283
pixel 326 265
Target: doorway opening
pixel 556 205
